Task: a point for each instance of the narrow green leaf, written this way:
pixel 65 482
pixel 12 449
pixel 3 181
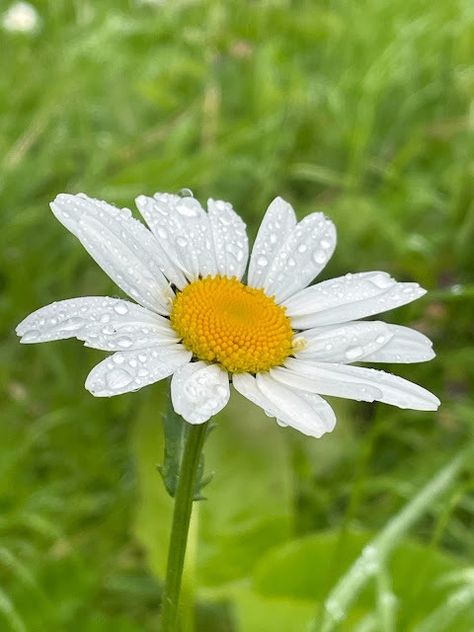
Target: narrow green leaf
pixel 175 432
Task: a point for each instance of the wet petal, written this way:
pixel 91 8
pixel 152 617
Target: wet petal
pixel 182 229
pixel 277 224
pixel 374 341
pixel 111 324
pixel 199 391
pixel 348 298
pixel 354 382
pixel 230 239
pixel 305 252
pixel 306 412
pixel 131 370
pixel 406 345
pixel 120 244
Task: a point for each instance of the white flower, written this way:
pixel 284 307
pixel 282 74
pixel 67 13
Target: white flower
pixel 21 17
pixel 282 344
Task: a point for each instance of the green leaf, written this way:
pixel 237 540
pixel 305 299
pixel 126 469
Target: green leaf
pixel 307 569
pixel 175 433
pixel 174 428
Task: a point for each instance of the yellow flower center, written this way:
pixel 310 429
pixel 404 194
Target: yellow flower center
pixel 222 320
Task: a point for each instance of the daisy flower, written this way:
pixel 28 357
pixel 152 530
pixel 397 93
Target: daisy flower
pixel 21 17
pixel 281 342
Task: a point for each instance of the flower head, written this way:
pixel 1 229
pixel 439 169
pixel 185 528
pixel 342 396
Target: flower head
pixel 281 344
pixel 21 17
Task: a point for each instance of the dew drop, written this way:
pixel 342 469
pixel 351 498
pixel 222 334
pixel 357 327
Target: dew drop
pixel 262 261
pixel 182 242
pixel 325 243
pixel 188 207
pixel 319 257
pixel 221 205
pixel 121 309
pixel 72 324
pixel 125 342
pixel 302 248
pixel 162 233
pixel 118 378
pixel 353 353
pixel 382 281
pixel 185 193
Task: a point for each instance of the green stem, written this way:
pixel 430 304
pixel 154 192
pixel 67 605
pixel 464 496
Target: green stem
pixel 195 436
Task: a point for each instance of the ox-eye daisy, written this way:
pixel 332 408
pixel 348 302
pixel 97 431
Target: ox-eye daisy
pixel 280 343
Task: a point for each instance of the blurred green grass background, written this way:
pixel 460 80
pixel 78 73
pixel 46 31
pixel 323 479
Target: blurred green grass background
pixel 361 108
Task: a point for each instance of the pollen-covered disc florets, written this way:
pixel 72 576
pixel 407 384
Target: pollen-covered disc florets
pixel 222 320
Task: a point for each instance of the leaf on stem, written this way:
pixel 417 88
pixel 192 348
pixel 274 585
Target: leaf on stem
pixel 175 432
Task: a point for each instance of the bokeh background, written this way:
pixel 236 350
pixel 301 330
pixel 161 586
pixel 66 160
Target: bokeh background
pixel 361 108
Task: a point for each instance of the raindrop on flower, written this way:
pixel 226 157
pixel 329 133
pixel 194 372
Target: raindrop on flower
pixel 185 193
pixel 121 309
pixel 118 378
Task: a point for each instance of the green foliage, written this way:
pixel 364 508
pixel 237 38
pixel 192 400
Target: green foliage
pixel 360 108
pixel 175 430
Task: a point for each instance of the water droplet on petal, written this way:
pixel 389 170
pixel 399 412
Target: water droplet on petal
pixel 121 309
pixel 118 378
pixel 125 342
pixel 382 281
pixel 319 257
pixel 185 193
pixel 71 324
pixel 188 207
pixel 262 261
pixel 354 352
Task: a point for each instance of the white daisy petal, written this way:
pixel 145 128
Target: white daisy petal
pixel 344 343
pixel 199 391
pixel 365 341
pixel 111 324
pixel 305 412
pixel 348 298
pixel 230 239
pixel 182 228
pixel 406 345
pixel 246 385
pixel 303 255
pixel 128 371
pixel 354 382
pixel 120 244
pixel 277 224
